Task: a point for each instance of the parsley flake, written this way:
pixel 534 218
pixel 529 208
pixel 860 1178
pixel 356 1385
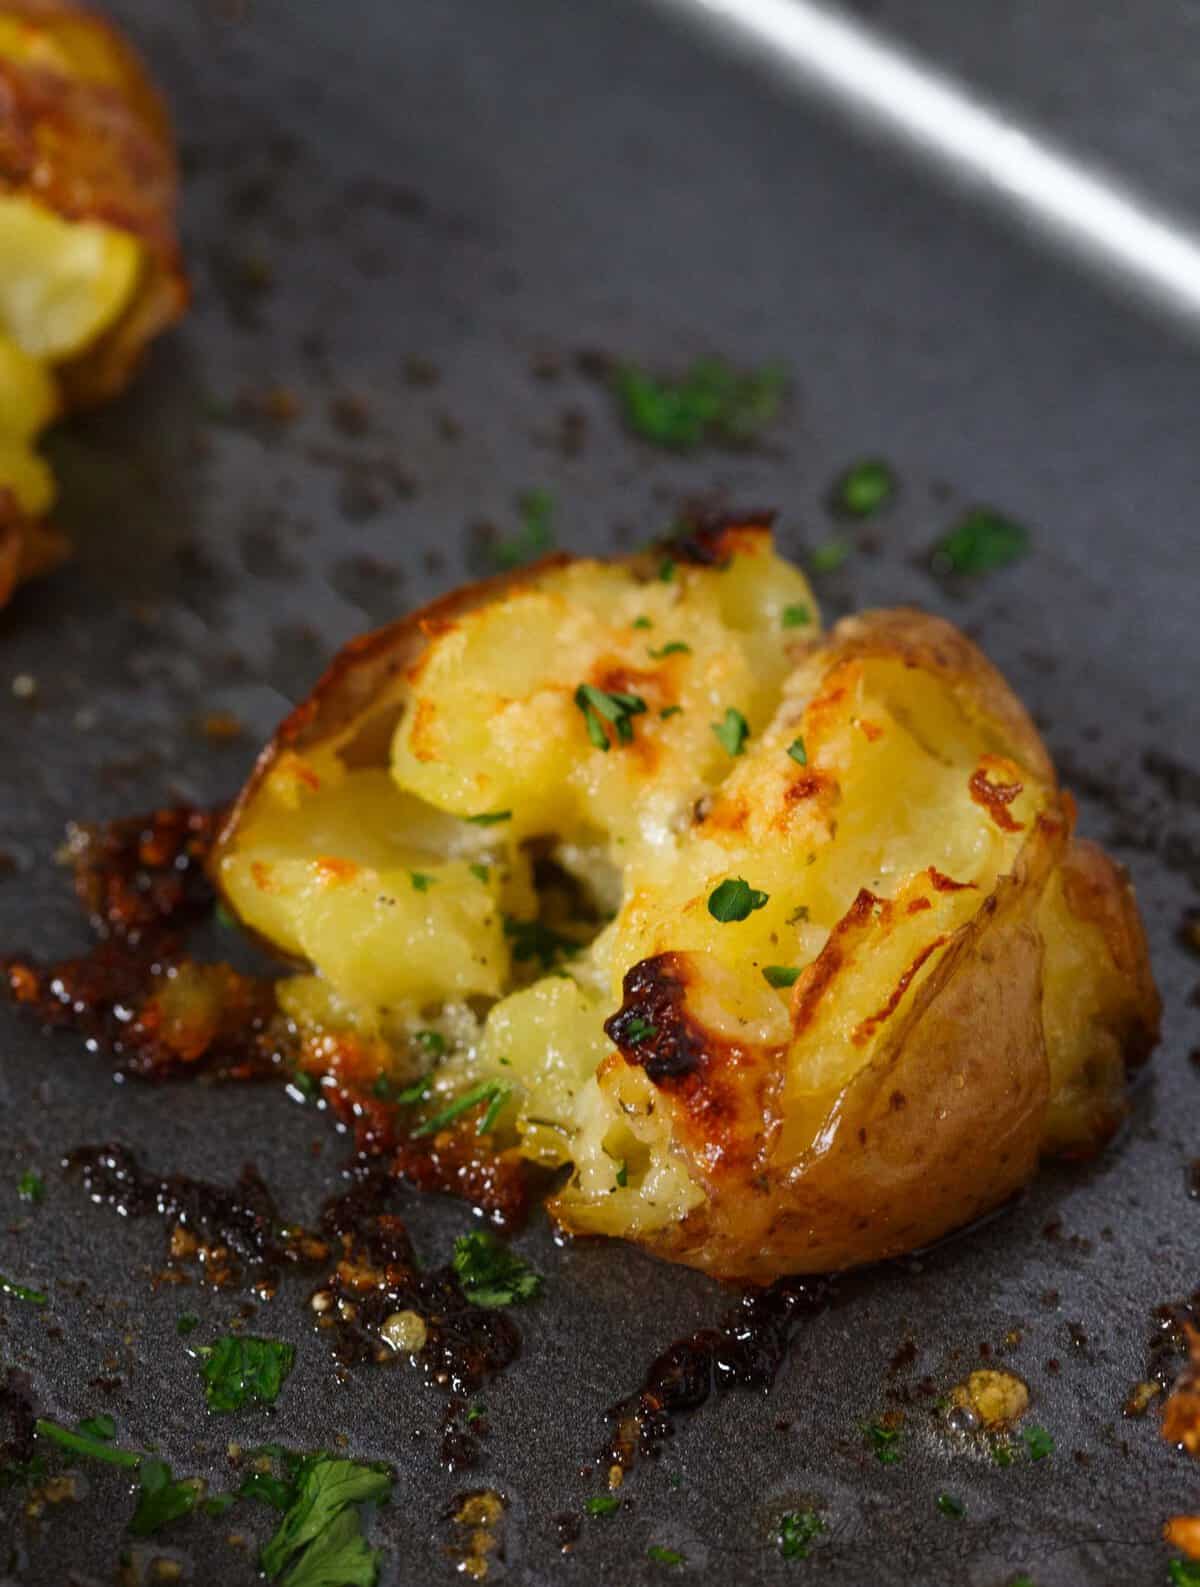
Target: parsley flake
pixel 491 1274
pixel 431 1042
pixel 160 1497
pixel 884 1442
pixel 531 939
pixel 1038 1442
pixel 675 647
pixel 733 732
pixel 421 880
pixel 187 1322
pixel 798 616
pixel 81 1443
pixel 981 542
pixel 1183 1573
pixel 664 1556
pixel 949 1505
pixel 863 489
pixel 797 1529
pixel 102 1427
pixel 622 1173
pixel 535 536
pixel 490 818
pixel 666 570
pixel 34 1297
pixel 669 711
pixel 638 1029
pixel 475 1413
pixel 385 1090
pixel 319 1540
pixel 829 557
pixel 711 402
pixel 485 1091
pixel 481 873
pixel 602 1504
pixel 734 899
pixel 781 974
pixel 600 706
pixel 798 752
pixel 240 1371
pixel 642 622
pixel 30 1187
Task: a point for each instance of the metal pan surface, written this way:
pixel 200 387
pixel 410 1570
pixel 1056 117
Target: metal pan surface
pixel 406 221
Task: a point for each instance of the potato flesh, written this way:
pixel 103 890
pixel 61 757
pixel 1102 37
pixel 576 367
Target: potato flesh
pixel 884 802
pixel 63 283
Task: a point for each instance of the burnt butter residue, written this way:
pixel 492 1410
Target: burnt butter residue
pixel 376 1303
pixel 744 1351
pixel 232 1233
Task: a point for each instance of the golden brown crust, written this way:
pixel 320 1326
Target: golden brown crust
pixel 96 147
pixel 28 548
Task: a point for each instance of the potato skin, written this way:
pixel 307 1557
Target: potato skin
pixel 96 147
pixel 28 548
pixel 951 1109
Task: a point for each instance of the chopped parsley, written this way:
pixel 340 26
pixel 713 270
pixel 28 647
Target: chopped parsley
pixel 490 818
pixel 800 913
pixel 734 899
pixel 491 1274
pixel 34 1297
pixel 421 880
pixel 102 1427
pixel 863 489
pixel 160 1497
pixel 305 1085
pixel 535 536
pixel 638 1029
pixel 532 940
pixel 1038 1442
pixel 481 873
pixel 732 732
pixel 668 711
pixel 798 752
pixel 829 557
pixel 711 402
pixel 319 1540
pixel 622 1174
pixel 30 1187
pixel 884 1442
pixel 431 1042
pixel 797 1529
pixel 642 622
pixel 500 1096
pixel 602 1504
pixel 781 974
pixel 666 570
pixel 475 1413
pixel 949 1505
pixel 981 542
pixel 241 1371
pixel 664 1556
pixel 797 616
pixel 85 1444
pixel 219 1503
pixel 187 1322
pixel 1028 1581
pixel 405 1097
pixel 600 706
pixel 675 647
pixel 485 1091
pixel 1183 1573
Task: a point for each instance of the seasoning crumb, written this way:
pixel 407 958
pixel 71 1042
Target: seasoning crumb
pixel 405 1332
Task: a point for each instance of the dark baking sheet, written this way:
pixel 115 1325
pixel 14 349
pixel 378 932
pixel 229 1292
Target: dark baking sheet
pixel 484 185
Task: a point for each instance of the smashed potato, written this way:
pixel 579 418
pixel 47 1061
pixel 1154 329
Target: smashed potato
pixel 779 946
pixel 90 268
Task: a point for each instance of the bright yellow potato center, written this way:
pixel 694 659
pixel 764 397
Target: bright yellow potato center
pixel 62 283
